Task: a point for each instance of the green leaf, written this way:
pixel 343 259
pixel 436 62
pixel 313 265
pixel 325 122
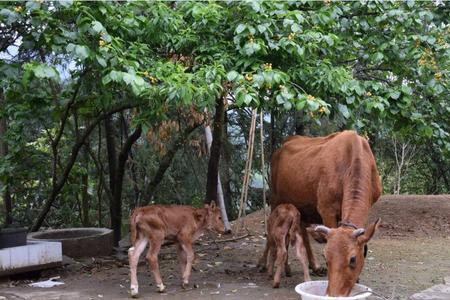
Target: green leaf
pixel 287 105
pixel 344 110
pixel 240 28
pixel 97 27
pixel 101 61
pixel 406 90
pixel 231 76
pixel 44 71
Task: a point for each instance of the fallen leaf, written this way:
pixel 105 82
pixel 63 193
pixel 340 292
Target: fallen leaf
pixel 215 293
pixel 218 263
pixel 234 291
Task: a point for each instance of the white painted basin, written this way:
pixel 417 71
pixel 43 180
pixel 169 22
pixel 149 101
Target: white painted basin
pixel 315 290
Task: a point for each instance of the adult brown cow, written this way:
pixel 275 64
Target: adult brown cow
pixel 332 180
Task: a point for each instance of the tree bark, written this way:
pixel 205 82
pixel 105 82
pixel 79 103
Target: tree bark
pixel 116 173
pixel 214 158
pixel 116 217
pixel 3 152
pixel 84 192
pixel 219 196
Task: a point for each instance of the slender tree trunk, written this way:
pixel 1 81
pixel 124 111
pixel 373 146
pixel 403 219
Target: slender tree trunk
pixel 165 163
pixel 214 158
pixel 228 195
pixel 3 152
pixel 116 173
pixel 84 186
pixel 120 173
pixel 219 196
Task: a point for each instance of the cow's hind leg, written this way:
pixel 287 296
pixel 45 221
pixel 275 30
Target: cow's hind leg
pixel 133 256
pixel 152 258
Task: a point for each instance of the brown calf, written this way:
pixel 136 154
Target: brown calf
pixel 180 223
pixel 284 228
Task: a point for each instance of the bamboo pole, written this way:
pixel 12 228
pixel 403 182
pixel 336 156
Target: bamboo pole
pixel 248 167
pixel 263 168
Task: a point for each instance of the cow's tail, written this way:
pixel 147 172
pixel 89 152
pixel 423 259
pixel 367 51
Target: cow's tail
pixel 294 230
pixel 134 219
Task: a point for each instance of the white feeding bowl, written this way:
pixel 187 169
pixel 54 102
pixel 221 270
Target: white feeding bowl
pixel 316 290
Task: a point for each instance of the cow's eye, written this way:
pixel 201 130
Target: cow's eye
pixel 352 263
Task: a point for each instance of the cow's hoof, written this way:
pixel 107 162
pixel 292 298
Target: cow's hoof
pixel 134 291
pixel 185 285
pixel 276 285
pixel 161 287
pixel 288 272
pixel 262 269
pixel 321 272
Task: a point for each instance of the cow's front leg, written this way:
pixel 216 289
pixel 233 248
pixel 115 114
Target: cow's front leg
pixel 313 264
pixel 152 257
pixel 187 248
pixel 133 257
pixel 262 263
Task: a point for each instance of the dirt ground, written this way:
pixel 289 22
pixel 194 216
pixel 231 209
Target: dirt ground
pixel 411 252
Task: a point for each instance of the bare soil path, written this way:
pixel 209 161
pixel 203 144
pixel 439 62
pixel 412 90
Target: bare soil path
pixel 411 252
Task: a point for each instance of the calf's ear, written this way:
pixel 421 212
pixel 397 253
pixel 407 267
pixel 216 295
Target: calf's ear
pixel 199 215
pixel 369 232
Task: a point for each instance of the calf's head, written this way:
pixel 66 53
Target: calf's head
pixel 214 220
pixel 344 253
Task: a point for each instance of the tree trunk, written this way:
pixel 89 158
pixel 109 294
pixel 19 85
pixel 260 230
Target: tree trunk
pixel 219 196
pixel 214 158
pixel 116 217
pixel 84 192
pixel 3 152
pixel 165 163
pixel 116 173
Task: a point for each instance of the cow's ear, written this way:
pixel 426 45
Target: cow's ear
pixel 369 232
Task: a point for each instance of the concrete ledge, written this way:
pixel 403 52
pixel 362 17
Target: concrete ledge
pixel 31 257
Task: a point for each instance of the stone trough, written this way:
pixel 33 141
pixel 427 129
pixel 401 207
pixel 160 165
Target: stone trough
pixel 78 242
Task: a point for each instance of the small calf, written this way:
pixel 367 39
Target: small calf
pixel 180 223
pixel 284 228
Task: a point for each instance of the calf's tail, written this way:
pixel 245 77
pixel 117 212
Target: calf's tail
pixel 133 226
pixel 294 229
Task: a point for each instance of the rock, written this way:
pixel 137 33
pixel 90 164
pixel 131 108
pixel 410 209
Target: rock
pixel 447 280
pixel 437 292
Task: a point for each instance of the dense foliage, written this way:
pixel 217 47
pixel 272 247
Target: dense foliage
pixel 102 103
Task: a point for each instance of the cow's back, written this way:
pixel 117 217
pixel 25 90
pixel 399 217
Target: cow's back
pixel 304 165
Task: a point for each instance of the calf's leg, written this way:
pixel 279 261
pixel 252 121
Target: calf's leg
pixel 280 261
pixel 302 256
pixel 152 257
pixel 182 257
pixel 133 256
pixel 287 268
pixel 187 248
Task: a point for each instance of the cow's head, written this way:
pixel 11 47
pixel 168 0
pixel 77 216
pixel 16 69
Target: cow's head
pixel 344 253
pixel 214 218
